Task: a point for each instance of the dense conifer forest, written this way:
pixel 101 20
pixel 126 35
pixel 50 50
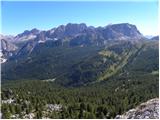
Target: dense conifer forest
pixel 135 81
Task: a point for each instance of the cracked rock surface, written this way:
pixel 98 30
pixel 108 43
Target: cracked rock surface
pixel 147 110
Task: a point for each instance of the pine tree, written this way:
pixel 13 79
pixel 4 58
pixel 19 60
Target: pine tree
pixel 6 114
pixel 18 109
pixel 81 114
pixel 89 108
pixel 12 108
pixel 82 106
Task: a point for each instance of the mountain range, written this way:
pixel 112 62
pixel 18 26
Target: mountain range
pixel 90 72
pixel 75 34
pixel 77 53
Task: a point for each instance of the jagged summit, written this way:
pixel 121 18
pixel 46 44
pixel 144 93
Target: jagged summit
pixel 76 35
pixel 112 31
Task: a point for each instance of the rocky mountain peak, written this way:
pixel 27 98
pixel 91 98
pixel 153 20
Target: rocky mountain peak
pixel 27 35
pixel 69 30
pixel 35 31
pixel 41 36
pixel 72 29
pixel 80 26
pixel 126 28
pixel 122 31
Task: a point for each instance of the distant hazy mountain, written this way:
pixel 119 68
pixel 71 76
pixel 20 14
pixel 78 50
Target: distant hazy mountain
pixel 7 37
pixel 149 36
pixel 155 38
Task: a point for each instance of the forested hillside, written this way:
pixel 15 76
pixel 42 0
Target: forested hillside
pixel 131 81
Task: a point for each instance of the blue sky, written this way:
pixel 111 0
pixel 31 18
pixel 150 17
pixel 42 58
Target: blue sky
pixel 19 16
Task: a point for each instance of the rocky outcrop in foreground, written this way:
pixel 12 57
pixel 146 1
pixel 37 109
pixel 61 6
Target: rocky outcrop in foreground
pixel 147 110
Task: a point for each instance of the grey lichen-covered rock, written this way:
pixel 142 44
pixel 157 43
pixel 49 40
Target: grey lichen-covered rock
pixel 147 110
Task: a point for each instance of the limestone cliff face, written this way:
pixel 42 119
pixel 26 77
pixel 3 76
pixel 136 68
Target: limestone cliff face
pixel 147 110
pixel 7 49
